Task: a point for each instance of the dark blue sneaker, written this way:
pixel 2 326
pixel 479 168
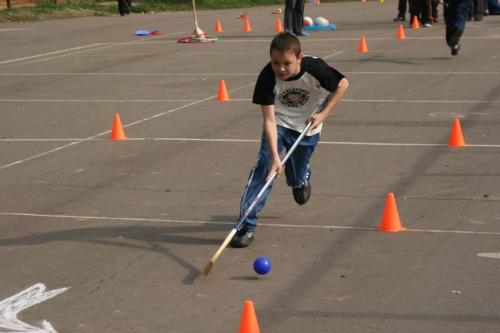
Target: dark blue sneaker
pixel 243 238
pixel 302 194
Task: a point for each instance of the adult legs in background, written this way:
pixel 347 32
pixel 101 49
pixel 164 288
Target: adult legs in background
pixel 425 12
pixel 294 17
pixel 123 7
pixel 401 11
pixel 289 13
pixel 478 10
pixel 434 10
pixel 298 18
pixel 414 10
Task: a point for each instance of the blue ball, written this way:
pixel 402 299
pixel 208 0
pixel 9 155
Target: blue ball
pixel 262 265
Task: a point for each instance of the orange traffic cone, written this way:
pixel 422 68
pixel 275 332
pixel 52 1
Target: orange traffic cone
pixel 222 95
pixel 390 219
pixel 218 26
pixel 362 45
pixel 248 323
pixel 246 25
pixel 278 26
pixel 414 23
pixel 456 137
pixel 318 2
pixel 117 133
pixel 401 33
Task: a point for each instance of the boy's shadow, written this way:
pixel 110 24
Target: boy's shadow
pixel 153 237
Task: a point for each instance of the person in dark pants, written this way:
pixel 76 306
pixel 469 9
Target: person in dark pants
pixel 435 11
pixel 401 11
pixel 425 13
pixel 456 13
pixel 294 17
pixel 414 10
pixel 478 10
pixel 492 7
pixel 124 7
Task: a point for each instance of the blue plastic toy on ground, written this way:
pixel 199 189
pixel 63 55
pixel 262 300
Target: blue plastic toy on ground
pixel 320 27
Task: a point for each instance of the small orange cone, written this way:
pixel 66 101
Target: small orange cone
pixel 222 95
pixel 248 323
pixel 318 2
pixel 218 26
pixel 390 219
pixel 414 23
pixel 401 33
pixel 278 26
pixel 117 133
pixel 246 25
pixel 362 45
pixel 456 137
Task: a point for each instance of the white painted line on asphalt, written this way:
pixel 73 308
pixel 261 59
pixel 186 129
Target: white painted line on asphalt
pixel 403 144
pixel 390 101
pixel 59 56
pixel 12 29
pixel 282 225
pixel 49 53
pixel 383 144
pixel 130 74
pixel 93 100
pixel 109 131
pixel 415 101
pixel 235 74
pixel 132 139
pixel 333 54
pixel 239 100
pixel 492 255
pixel 125 54
pixel 346 143
pixel 49 140
pixel 86 48
pixel 424 73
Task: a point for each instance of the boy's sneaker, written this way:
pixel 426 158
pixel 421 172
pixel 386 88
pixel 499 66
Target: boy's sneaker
pixel 303 193
pixel 243 238
pixel 453 38
pixel 399 18
pixel 455 49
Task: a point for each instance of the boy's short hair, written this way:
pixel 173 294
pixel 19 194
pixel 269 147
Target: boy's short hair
pixel 284 42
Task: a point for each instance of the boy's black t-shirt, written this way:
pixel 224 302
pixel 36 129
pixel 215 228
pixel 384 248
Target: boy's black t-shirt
pixel 297 97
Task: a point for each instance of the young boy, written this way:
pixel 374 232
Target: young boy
pixel 288 89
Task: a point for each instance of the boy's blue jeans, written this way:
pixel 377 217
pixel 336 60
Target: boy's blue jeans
pixel 297 170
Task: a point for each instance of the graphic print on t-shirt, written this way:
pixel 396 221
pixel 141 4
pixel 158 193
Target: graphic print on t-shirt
pixel 294 97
